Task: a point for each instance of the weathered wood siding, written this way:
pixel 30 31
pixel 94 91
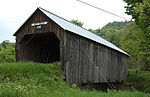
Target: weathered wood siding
pixel 27 29
pixel 83 60
pixel 89 62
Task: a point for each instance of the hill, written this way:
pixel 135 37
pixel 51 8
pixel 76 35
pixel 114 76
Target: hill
pixel 109 29
pixel 45 80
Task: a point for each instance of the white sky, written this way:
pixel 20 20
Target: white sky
pixel 13 13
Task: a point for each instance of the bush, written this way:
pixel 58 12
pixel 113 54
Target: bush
pixel 7 52
pixel 139 81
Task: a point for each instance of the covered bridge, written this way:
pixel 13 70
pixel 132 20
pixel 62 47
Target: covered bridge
pixel 85 57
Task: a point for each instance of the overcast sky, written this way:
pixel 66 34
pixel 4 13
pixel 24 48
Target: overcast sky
pixel 13 13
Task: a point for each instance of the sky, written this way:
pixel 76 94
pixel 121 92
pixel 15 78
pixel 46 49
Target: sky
pixel 13 13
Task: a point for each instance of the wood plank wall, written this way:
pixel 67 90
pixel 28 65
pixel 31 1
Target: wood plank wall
pixel 89 62
pixel 27 29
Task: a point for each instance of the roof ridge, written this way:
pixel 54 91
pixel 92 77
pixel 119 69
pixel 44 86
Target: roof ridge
pixel 69 26
pixel 81 31
pixel 66 20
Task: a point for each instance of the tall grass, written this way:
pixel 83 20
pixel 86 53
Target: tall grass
pixel 45 80
pixel 29 68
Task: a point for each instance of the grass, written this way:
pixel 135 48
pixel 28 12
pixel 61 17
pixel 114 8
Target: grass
pixel 45 80
pixel 139 81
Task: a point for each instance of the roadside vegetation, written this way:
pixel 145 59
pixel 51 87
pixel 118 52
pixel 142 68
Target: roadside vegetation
pixel 45 80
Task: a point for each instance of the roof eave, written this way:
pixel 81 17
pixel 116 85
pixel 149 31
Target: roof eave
pixel 24 22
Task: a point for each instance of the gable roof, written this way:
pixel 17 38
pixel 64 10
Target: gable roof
pixel 66 25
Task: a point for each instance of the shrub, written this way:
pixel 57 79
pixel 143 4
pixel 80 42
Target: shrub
pixel 139 81
pixel 7 52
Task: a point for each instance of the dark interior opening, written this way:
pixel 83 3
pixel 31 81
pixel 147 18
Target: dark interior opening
pixel 41 48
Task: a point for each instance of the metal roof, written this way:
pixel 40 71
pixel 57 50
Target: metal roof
pixel 79 30
pixel 66 25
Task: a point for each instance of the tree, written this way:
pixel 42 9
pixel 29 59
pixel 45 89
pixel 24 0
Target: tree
pixel 76 22
pixel 140 12
pixel 7 51
pixel 7 43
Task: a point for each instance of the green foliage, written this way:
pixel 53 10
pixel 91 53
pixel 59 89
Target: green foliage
pixel 112 32
pixel 114 26
pixel 139 81
pixel 7 43
pixel 131 43
pixel 76 22
pixel 28 68
pixel 30 79
pixel 45 80
pixel 131 4
pixel 140 12
pixel 94 31
pixel 7 52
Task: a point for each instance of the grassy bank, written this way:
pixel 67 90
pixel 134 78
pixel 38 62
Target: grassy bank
pixel 45 80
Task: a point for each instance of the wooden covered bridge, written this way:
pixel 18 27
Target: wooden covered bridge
pixel 85 57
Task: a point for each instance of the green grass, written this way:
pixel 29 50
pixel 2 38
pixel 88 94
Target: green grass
pixel 45 80
pixel 139 81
